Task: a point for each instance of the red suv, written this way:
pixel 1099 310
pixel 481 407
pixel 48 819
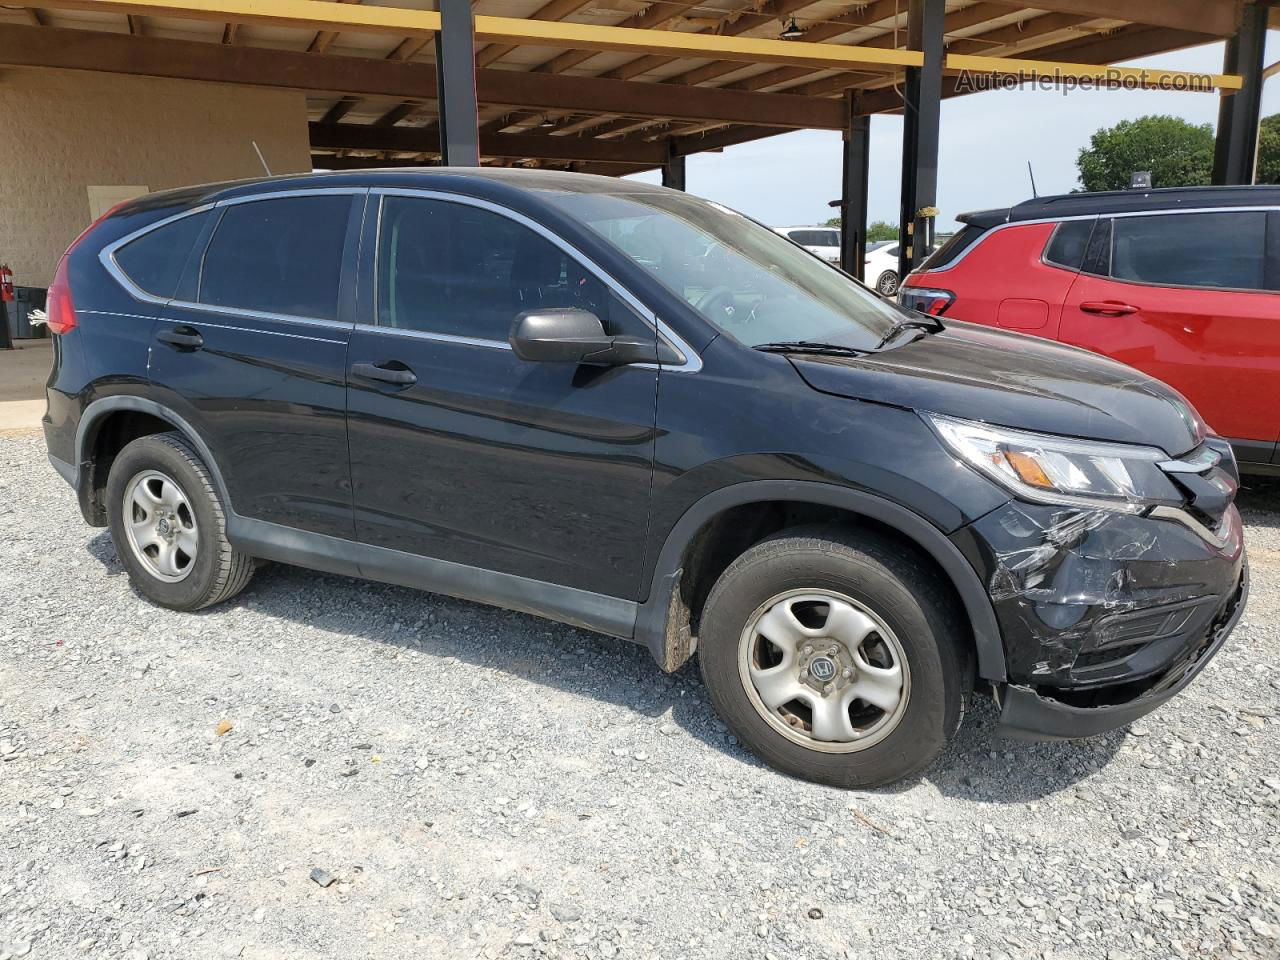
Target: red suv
pixel 1181 283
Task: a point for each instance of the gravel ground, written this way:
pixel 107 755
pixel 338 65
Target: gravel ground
pixel 326 767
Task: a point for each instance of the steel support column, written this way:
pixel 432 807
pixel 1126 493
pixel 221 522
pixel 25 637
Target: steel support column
pixel 456 85
pixel 922 108
pixel 854 188
pixel 673 169
pixel 1236 148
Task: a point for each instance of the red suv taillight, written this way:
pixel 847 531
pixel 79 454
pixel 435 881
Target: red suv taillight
pixel 59 306
pixel 926 300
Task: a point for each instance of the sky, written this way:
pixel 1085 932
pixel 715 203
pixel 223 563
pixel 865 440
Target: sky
pixel 987 139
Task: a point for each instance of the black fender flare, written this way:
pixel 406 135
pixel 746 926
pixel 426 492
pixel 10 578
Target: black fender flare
pixel 651 622
pixel 90 423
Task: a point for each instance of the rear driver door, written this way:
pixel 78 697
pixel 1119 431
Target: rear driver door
pixel 252 353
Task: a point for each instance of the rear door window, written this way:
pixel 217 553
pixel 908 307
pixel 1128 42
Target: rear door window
pixel 1068 244
pixel 816 238
pixel 1218 250
pixel 155 260
pixel 278 256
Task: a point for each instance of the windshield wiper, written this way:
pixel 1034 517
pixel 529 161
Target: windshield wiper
pixel 810 346
pixel 929 326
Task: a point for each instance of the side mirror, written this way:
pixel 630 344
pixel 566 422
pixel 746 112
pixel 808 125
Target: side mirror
pixel 566 335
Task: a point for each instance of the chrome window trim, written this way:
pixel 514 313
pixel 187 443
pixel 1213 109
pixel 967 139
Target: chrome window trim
pixel 107 257
pixel 258 314
pixel 428 335
pixel 274 333
pixel 692 363
pixel 1110 216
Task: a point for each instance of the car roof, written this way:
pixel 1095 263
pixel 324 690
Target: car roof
pixel 1125 201
pixel 811 226
pixel 458 179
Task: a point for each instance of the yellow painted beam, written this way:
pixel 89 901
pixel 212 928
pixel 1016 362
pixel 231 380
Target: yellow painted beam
pixel 307 14
pixel 1103 75
pixel 584 36
pixel 1271 71
pixel 402 22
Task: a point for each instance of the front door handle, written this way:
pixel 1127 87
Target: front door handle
pixel 400 375
pixel 1108 308
pixel 182 337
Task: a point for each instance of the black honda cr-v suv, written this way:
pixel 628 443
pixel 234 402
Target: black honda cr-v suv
pixel 628 409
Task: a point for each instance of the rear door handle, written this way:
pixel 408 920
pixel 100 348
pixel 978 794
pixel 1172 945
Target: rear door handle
pixel 400 375
pixel 1108 308
pixel 183 337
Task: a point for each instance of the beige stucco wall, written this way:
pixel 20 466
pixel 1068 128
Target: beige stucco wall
pixel 65 130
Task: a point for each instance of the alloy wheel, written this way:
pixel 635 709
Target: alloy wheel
pixel 160 525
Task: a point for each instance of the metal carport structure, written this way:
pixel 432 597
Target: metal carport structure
pixel 641 85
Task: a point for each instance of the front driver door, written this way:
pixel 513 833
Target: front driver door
pixel 460 450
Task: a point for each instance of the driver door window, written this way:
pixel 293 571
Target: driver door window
pixel 462 271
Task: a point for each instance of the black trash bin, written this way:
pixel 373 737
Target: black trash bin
pixel 26 299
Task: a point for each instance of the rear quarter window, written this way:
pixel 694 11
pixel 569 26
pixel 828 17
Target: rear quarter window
pixel 154 261
pixel 959 242
pixel 1067 246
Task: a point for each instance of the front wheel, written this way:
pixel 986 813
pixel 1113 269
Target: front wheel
pixel 887 283
pixel 835 656
pixel 169 525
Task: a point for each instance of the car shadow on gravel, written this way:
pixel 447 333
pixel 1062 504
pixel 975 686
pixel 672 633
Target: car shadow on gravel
pixel 977 765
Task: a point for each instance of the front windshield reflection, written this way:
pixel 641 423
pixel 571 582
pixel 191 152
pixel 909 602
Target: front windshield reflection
pixel 753 284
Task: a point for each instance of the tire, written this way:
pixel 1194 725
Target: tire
pixel 887 283
pixel 894 590
pixel 204 569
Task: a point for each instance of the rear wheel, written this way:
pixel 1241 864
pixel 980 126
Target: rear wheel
pixel 835 656
pixel 169 525
pixel 887 283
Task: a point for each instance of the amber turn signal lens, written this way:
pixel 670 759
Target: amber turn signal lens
pixel 1028 470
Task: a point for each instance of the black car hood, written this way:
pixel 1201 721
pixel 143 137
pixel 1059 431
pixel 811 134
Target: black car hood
pixel 979 373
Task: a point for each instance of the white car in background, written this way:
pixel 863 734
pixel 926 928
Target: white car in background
pixel 822 241
pixel 880 269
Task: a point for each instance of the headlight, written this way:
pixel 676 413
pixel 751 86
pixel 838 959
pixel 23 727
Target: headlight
pixel 1048 469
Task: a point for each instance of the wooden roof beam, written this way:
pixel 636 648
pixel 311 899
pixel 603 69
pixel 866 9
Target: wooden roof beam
pixel 960 20
pixel 650 18
pixel 1221 18
pixel 359 136
pixel 324 38
pixel 423 24
pixel 360 77
pixel 1027 34
pixel 555 10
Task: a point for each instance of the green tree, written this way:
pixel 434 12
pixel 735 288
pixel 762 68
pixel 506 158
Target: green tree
pixel 1178 154
pixel 877 230
pixel 881 230
pixel 1269 150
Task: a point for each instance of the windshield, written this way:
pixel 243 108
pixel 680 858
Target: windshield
pixel 748 281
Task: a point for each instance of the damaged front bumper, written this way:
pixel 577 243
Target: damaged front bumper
pixel 1105 616
pixel 1028 715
